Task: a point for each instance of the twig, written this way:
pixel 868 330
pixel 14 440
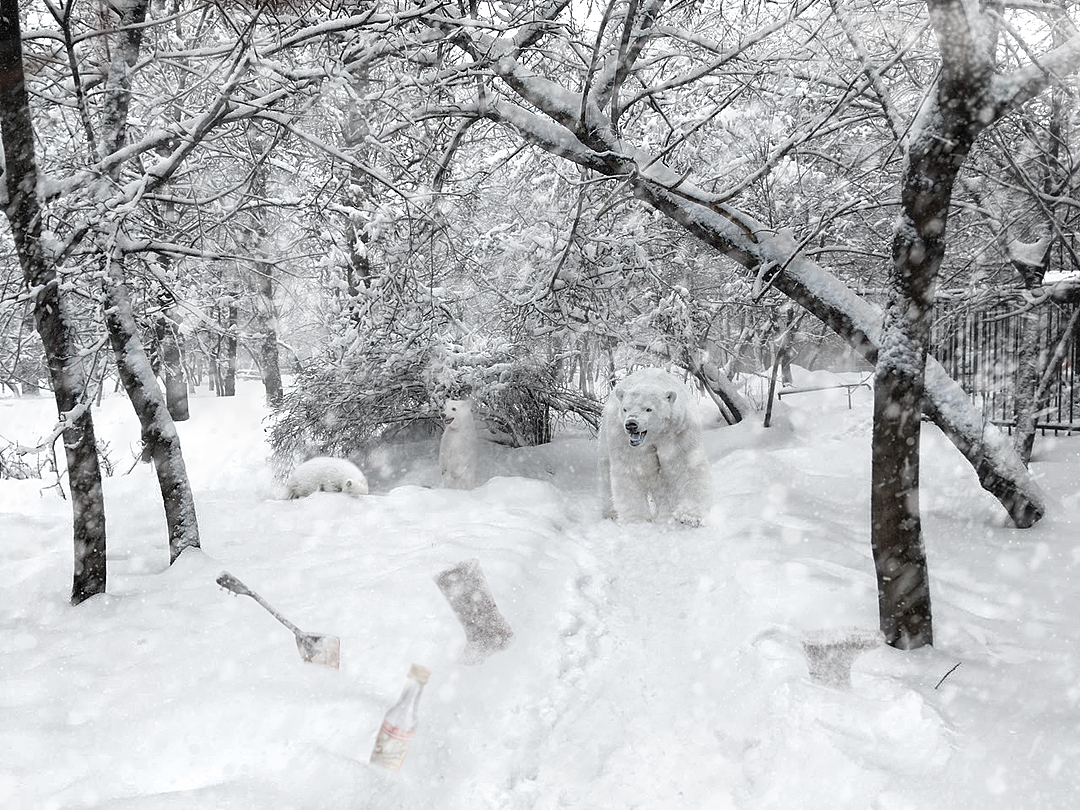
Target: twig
pixel 947 674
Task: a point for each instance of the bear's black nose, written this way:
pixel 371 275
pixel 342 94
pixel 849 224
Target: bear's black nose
pixel 631 426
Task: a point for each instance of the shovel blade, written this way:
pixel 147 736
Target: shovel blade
pixel 325 650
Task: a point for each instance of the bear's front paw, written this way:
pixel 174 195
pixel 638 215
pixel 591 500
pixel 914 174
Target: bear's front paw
pixel 688 518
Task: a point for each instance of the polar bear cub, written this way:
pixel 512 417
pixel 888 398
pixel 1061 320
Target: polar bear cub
pixel 457 449
pixel 652 462
pixel 325 474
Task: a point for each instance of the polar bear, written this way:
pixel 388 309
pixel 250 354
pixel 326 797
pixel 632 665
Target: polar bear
pixel 457 449
pixel 325 474
pixel 652 462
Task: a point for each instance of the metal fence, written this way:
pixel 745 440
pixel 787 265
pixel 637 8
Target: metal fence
pixel 980 349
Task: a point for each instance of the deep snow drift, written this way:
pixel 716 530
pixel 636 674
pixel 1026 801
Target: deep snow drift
pixel 654 666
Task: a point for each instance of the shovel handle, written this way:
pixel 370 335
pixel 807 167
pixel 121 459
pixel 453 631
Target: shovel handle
pixel 231 583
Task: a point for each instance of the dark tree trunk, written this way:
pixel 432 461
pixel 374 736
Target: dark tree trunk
pixel 1030 357
pixel 896 525
pixel 228 382
pixel 172 368
pixel 271 369
pixel 1033 339
pixel 114 115
pixel 899 387
pixel 958 111
pixel 269 361
pixel 265 308
pixel 50 315
pixel 158 429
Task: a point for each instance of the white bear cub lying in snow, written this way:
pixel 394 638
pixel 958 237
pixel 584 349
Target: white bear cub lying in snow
pixel 457 449
pixel 652 463
pixel 325 474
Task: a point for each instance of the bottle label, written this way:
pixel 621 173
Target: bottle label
pixel 391 746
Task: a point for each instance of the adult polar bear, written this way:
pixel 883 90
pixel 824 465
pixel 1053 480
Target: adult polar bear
pixel 652 462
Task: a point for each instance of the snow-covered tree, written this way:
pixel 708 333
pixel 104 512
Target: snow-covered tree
pixel 52 313
pixel 595 94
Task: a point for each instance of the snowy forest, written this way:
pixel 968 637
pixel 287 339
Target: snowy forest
pixel 368 208
pixel 373 207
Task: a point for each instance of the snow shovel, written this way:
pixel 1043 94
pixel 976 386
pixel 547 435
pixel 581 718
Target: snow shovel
pixel 314 648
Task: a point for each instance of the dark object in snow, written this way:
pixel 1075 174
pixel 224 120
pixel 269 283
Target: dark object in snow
pixel 467 592
pixel 830 653
pixel 955 667
pixel 314 648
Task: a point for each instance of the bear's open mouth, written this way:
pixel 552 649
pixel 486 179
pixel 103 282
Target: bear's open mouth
pixel 447 420
pixel 637 438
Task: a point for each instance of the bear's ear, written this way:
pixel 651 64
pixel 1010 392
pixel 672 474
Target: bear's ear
pixel 619 393
pixel 672 395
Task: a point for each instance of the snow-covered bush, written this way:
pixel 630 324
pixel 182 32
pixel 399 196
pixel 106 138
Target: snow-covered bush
pixel 337 407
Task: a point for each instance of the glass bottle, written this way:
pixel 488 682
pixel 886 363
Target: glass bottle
pixel 399 725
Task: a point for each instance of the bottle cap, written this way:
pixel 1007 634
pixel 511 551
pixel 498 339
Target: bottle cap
pixel 419 674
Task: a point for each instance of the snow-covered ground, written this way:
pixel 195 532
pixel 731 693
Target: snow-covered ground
pixel 654 666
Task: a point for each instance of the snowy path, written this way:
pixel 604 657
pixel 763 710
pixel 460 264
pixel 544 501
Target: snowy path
pixel 621 622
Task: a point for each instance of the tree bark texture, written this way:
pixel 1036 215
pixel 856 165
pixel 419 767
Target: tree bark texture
pixel 118 84
pixel 271 367
pixel 172 368
pixel 1030 356
pixel 158 429
pixel 265 308
pixel 136 374
pixel 228 381
pixel 963 104
pixel 66 372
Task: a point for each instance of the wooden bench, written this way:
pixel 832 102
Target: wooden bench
pixel 850 387
pixel 1068 428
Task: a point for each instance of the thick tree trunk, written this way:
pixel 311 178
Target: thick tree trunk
pixel 50 315
pixel 895 521
pixel 941 139
pixel 933 159
pixel 896 525
pixel 158 429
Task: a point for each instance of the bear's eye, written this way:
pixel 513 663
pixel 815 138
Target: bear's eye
pixel 648 410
